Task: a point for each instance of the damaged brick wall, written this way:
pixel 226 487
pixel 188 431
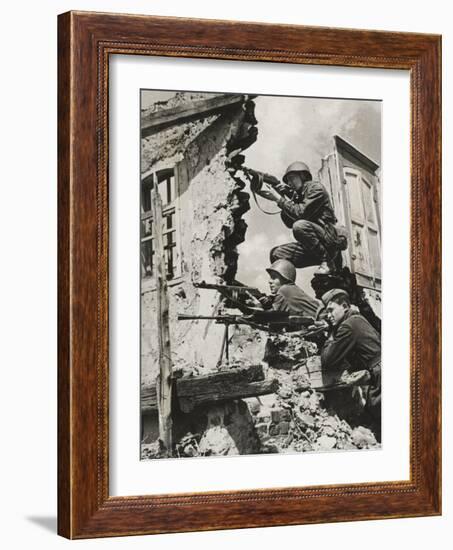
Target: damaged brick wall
pixel 205 154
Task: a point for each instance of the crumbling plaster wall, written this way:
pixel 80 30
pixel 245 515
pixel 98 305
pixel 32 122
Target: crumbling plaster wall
pixel 374 298
pixel 211 201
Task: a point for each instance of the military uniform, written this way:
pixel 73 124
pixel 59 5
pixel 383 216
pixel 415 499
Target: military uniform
pixel 356 343
pixel 312 219
pixel 288 298
pixel 295 301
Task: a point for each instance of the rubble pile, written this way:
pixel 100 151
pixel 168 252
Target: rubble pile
pixel 284 351
pixel 219 430
pixel 295 420
pixel 292 420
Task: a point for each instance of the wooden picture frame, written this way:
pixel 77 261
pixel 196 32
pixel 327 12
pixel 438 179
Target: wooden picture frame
pixel 85 41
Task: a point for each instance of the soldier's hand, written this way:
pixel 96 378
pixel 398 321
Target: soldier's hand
pixel 252 301
pixel 266 301
pixel 319 324
pixel 270 194
pixel 281 188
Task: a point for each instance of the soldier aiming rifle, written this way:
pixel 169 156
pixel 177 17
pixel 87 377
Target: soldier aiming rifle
pixel 307 210
pixel 285 295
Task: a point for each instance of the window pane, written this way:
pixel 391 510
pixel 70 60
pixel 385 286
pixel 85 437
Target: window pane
pixel 170 263
pixel 147 254
pixel 146 227
pixel 163 192
pixel 169 220
pixel 147 185
pixel 169 191
pixel 166 180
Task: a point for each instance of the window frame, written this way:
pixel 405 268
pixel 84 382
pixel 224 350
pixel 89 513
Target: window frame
pixel 148 282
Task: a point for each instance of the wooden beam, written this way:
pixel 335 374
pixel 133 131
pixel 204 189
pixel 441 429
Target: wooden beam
pixel 226 392
pixel 156 122
pixel 219 386
pixel 164 379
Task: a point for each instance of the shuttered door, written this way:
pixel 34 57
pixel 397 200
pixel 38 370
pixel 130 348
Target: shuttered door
pixel 365 238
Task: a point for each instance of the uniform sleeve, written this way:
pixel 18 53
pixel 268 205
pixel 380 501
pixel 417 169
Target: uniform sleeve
pixel 335 352
pixel 307 209
pixel 279 303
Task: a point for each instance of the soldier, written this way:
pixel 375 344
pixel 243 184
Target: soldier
pixel 354 343
pixel 285 294
pixel 310 215
pixel 288 297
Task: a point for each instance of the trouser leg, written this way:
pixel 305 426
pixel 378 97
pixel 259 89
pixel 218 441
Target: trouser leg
pixel 374 392
pixel 308 249
pixel 295 253
pixel 373 405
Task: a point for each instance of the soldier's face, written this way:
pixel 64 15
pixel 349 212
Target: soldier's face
pixel 335 313
pixel 295 181
pixel 275 283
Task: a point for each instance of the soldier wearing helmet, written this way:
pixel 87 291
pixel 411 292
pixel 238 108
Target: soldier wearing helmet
pixel 285 294
pixel 310 215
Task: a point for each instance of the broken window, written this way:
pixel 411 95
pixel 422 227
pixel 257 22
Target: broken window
pixel 166 186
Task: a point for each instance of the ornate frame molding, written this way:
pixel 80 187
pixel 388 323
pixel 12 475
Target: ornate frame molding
pixel 86 40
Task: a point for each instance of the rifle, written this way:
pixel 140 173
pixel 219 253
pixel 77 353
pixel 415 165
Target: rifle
pixel 269 321
pixel 233 293
pixel 238 287
pixel 258 179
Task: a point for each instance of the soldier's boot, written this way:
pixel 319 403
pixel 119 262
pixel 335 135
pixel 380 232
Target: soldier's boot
pixel 325 268
pixel 331 263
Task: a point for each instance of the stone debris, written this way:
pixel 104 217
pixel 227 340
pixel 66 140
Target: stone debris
pixel 217 441
pixel 284 351
pixel 292 420
pixel 296 420
pixel 189 445
pixel 153 450
pixel 363 438
pixel 325 443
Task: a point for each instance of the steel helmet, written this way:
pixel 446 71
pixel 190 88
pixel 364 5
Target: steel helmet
pixel 297 166
pixel 284 268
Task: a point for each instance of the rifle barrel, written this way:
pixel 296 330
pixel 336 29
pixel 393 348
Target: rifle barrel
pixel 224 287
pixel 184 317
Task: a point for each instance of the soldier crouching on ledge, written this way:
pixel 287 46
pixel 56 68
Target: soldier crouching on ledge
pixel 353 341
pixel 310 215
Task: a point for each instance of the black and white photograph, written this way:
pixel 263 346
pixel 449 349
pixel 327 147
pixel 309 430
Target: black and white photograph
pixel 224 293
pixel 260 253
